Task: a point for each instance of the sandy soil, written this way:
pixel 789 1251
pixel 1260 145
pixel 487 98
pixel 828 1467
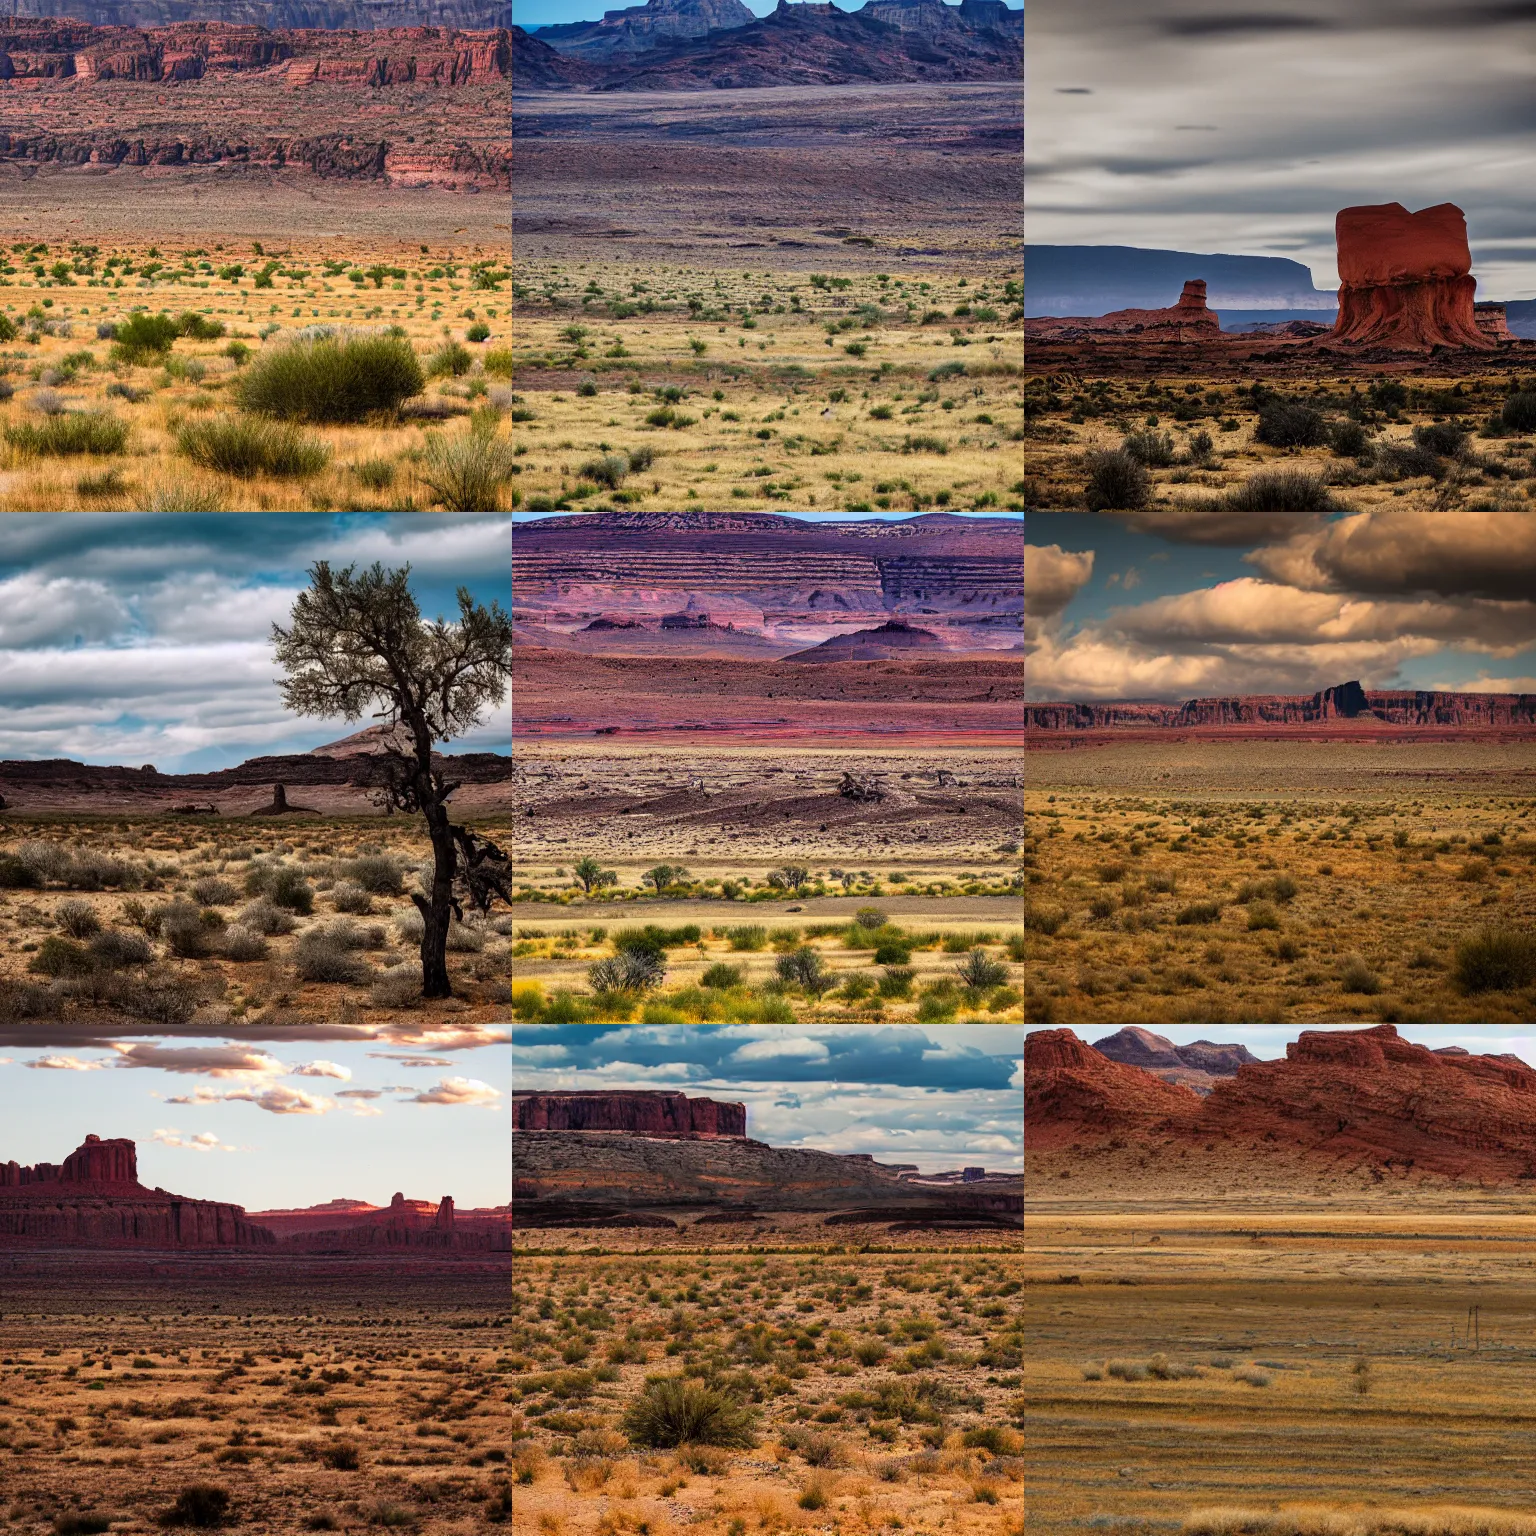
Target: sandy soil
pixel 834 1451
pixel 337 1390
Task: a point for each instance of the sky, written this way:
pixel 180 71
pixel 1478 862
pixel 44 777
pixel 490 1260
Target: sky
pixel 543 13
pixel 1194 604
pixel 942 1097
pixel 133 639
pixel 275 1125
pixel 1204 126
pixel 1268 1041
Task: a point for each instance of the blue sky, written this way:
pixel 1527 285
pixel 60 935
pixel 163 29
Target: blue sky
pixel 133 639
pixel 1268 1041
pixel 1207 127
pixel 940 1096
pixel 1188 604
pixel 274 1125
pixel 542 13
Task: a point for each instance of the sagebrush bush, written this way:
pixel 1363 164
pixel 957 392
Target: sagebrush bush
pixel 265 918
pixel 116 949
pixel 1280 490
pixel 322 954
pixel 77 918
pixel 397 987
pixel 680 1411
pixel 1519 412
pixel 282 886
pixel 376 873
pixel 452 358
pixel 1496 960
pixel 1200 912
pixel 186 931
pixel 1154 449
pixel 332 379
pixel 1357 976
pixel 466 473
pixel 1117 482
pixel 247 446
pixel 242 944
pixel 1289 424
pixel 142 337
pixel 347 897
pixel 1348 439
pixel 200 1504
pixel 73 432
pixel 214 891
pixel 1446 438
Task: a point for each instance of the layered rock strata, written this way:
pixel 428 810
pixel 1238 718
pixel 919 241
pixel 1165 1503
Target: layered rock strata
pixel 1405 278
pixel 1187 320
pixel 94 1198
pixel 641 1114
pixel 1070 1090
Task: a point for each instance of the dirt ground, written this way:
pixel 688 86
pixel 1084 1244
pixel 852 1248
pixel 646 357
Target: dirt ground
pixel 69 890
pixel 1344 878
pixel 840 1445
pixel 324 1394
pixel 1288 1340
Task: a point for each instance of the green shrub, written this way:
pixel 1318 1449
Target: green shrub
pixel 331 379
pixel 892 954
pixel 1348 439
pixel 1280 490
pixel 677 1411
pixel 498 361
pixel 376 474
pixel 479 331
pixel 1357 976
pixel 97 432
pixel 451 358
pixel 77 918
pixel 923 442
pixel 1289 424
pixel 721 975
pixel 247 446
pixel 1117 482
pixel 1262 915
pixel 1044 920
pixel 198 327
pixel 609 470
pixel 1496 959
pixel 1200 912
pixel 1445 438
pixel 1150 448
pixel 60 957
pixel 1519 412
pixel 749 937
pixel 142 337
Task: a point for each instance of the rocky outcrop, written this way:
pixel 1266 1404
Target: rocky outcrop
pixel 468 15
pixel 639 27
pixel 1198 1065
pixel 1071 1091
pixel 1405 279
pixel 639 1113
pixel 406 1224
pixel 94 1198
pixel 892 638
pixel 1493 321
pixel 538 67
pixel 1187 320
pixel 1346 701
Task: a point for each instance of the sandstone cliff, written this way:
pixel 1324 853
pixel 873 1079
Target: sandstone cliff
pixel 644 1114
pixel 406 1224
pixel 638 27
pixel 1347 701
pixel 1187 320
pixel 1071 1091
pixel 1199 1065
pixel 468 15
pixel 94 1198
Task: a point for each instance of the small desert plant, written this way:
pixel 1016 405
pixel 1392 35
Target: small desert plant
pixel 1446 438
pixel 73 432
pixel 247 446
pixel 979 970
pixel 142 337
pixel 802 967
pixel 198 327
pixel 186 934
pixel 376 873
pixel 1200 912
pixel 264 917
pixel 81 1525
pixel 451 358
pixel 1151 448
pixel 77 918
pixel 466 473
pixel 1117 482
pixel 721 975
pixel 813 1495
pixel 1280 490
pixel 212 891
pixel 1044 920
pixel 347 897
pixel 679 1411
pixel 1496 960
pixel 242 944
pixel 1252 1375
pixel 1348 439
pixel 200 1504
pixel 116 949
pixel 1357 976
pixel 1262 915
pixel 748 937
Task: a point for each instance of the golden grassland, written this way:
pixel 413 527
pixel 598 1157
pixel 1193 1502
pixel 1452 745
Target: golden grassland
pixel 1346 895
pixel 767 390
pixel 883 1390
pixel 1289 1360
pixel 1070 416
pixel 163 922
pixel 329 1398
pixel 55 294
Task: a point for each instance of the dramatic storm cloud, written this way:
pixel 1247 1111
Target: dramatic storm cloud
pixel 1410 599
pixel 939 1097
pixel 130 638
pixel 1200 126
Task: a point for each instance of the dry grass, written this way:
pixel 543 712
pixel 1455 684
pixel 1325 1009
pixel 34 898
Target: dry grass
pixel 57 348
pixel 1324 1520
pixel 1254 904
pixel 775 415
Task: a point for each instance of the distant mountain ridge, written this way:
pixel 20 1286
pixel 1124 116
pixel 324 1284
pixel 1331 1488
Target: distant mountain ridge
pixel 279 15
pixel 678 45
pixel 1096 279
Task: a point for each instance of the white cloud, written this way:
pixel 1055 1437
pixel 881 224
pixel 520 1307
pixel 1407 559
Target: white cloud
pixel 57 611
pixel 458 1090
pixel 228 1061
pixel 277 1099
pixel 203 1141
pixel 407 1060
pixel 364 1110
pixel 321 1069
pixel 64 1064
pixel 800 1047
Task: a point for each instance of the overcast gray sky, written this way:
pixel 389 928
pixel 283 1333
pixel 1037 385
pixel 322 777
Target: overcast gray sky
pixel 1200 126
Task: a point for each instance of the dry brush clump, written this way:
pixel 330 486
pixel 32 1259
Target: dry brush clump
pixel 1333 1520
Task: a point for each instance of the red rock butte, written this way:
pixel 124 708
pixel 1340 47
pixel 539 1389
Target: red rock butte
pixel 1405 278
pixel 1187 320
pixel 638 1113
pixel 94 1198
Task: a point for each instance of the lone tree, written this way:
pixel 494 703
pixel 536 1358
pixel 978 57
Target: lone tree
pixel 361 640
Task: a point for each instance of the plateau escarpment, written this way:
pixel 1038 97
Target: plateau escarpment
pixel 412 106
pixel 331 15
pixel 94 1198
pixel 1345 702
pixel 636 1113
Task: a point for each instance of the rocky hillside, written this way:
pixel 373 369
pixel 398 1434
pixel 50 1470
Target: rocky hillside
pixel 94 1198
pixel 639 27
pixel 1072 1092
pixel 630 1111
pixel 351 105
pixel 1198 1065
pixel 803 44
pixel 1346 701
pixel 466 15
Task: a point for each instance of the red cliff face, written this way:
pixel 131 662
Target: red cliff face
pixel 1187 320
pixel 94 1198
pixel 1346 701
pixel 1405 278
pixel 645 1114
pixel 1072 1092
